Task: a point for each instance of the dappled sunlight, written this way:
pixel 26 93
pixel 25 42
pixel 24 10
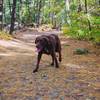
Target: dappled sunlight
pixel 3 54
pixel 15 54
pixel 15 44
pixel 68 64
pixel 77 77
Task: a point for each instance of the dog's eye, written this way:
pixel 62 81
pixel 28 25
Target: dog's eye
pixel 41 41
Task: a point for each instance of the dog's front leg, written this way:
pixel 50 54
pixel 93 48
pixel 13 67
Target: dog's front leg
pixel 38 61
pixel 52 60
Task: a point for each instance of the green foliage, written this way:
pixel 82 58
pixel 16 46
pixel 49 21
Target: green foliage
pixel 95 33
pixel 27 14
pixel 65 29
pixel 96 36
pixel 79 28
pixel 75 23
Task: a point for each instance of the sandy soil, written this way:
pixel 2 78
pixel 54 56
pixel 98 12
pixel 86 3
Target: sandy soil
pixel 78 77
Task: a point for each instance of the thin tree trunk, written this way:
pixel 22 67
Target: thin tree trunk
pixel 86 11
pixel 67 5
pixel 9 6
pixel 13 17
pixel 42 17
pixel 67 10
pixel 34 11
pixel 86 6
pixel 79 6
pixel 39 12
pixel 1 14
pixel 90 28
pixel 28 8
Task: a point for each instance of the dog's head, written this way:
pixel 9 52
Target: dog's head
pixel 41 42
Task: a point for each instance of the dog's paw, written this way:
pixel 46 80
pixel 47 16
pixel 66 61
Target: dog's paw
pixel 52 64
pixel 57 66
pixel 60 59
pixel 35 71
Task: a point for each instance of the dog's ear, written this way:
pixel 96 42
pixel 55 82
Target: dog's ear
pixel 36 40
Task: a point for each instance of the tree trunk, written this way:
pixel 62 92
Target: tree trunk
pixel 86 6
pixel 34 11
pixel 67 5
pixel 9 6
pixel 13 17
pixel 39 12
pixel 42 12
pixel 86 11
pixel 1 14
pixel 79 6
pixel 29 12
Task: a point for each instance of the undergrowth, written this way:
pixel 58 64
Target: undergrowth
pixel 5 36
pixel 79 28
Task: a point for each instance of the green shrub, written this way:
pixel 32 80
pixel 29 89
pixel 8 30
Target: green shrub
pixel 65 30
pixel 79 28
pixel 96 38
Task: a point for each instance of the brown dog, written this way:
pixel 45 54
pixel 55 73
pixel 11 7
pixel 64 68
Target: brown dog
pixel 48 44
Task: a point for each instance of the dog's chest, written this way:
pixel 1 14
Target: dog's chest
pixel 46 50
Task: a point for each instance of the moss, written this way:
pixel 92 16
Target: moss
pixel 81 51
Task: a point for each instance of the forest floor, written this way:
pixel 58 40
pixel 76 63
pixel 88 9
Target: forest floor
pixel 78 77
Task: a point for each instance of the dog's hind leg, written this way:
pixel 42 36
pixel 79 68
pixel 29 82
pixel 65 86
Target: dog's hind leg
pixel 56 62
pixel 52 60
pixel 60 58
pixel 59 49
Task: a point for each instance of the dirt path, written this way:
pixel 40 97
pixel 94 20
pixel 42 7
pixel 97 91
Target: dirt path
pixel 78 77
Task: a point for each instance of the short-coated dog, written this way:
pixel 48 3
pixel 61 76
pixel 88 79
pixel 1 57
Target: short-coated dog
pixel 48 44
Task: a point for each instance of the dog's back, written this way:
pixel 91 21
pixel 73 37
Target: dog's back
pixel 57 41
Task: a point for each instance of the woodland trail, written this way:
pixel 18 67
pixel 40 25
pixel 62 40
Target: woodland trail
pixel 78 77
